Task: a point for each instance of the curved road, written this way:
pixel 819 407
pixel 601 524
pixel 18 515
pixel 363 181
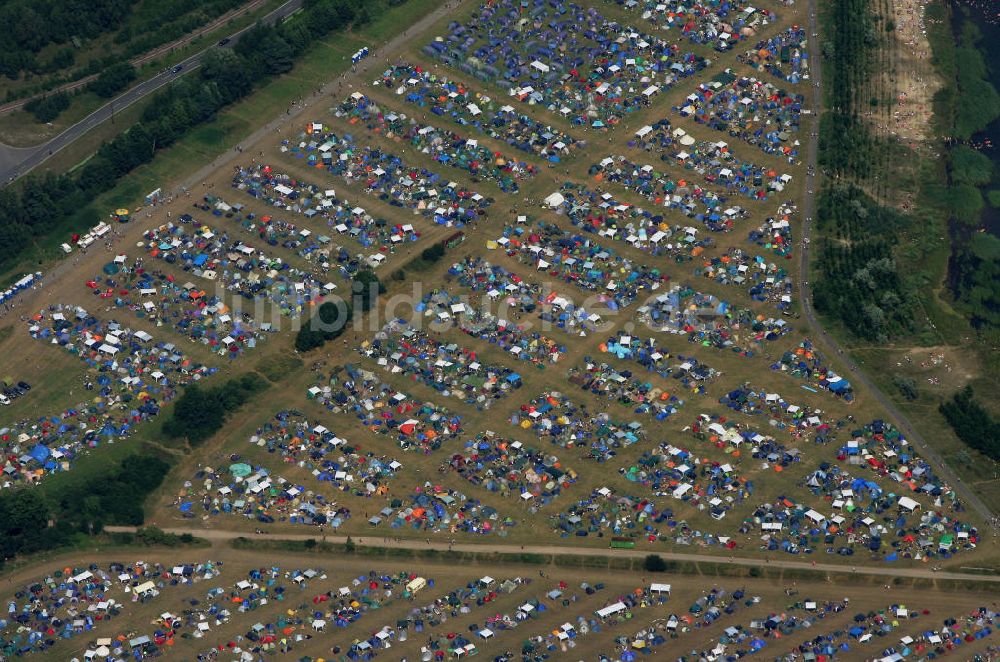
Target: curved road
pixel 216 535
pixel 15 163
pixel 969 498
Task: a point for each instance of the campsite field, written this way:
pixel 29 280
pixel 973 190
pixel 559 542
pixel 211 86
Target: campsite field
pixel 733 441
pixel 300 617
pixel 640 476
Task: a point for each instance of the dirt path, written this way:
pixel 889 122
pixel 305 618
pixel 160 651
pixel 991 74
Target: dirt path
pixel 216 535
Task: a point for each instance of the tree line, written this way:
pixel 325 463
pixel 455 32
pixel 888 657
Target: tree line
pixel 34 519
pixel 43 204
pixel 972 423
pixel 126 29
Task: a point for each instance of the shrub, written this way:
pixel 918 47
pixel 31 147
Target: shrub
pixel 366 287
pixel 47 108
pixel 654 563
pixel 328 324
pixel 201 412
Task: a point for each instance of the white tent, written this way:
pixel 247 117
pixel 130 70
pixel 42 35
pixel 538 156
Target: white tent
pixel 555 200
pixel 611 610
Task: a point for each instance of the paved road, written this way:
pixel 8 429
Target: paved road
pixel 17 163
pixel 216 535
pixel 278 126
pixel 145 57
pixel 969 498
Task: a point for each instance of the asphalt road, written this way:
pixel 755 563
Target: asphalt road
pixel 441 545
pixel 141 59
pixel 852 372
pixel 19 162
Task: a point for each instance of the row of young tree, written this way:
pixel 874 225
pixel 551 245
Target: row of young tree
pixel 858 280
pixel 45 203
pixel 851 38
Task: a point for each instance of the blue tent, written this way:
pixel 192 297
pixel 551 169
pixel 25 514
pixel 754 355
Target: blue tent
pixel 40 453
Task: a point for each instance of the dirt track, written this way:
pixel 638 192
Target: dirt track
pixel 215 535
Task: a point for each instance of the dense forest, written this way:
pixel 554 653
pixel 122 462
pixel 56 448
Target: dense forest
pixel 42 204
pixel 31 25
